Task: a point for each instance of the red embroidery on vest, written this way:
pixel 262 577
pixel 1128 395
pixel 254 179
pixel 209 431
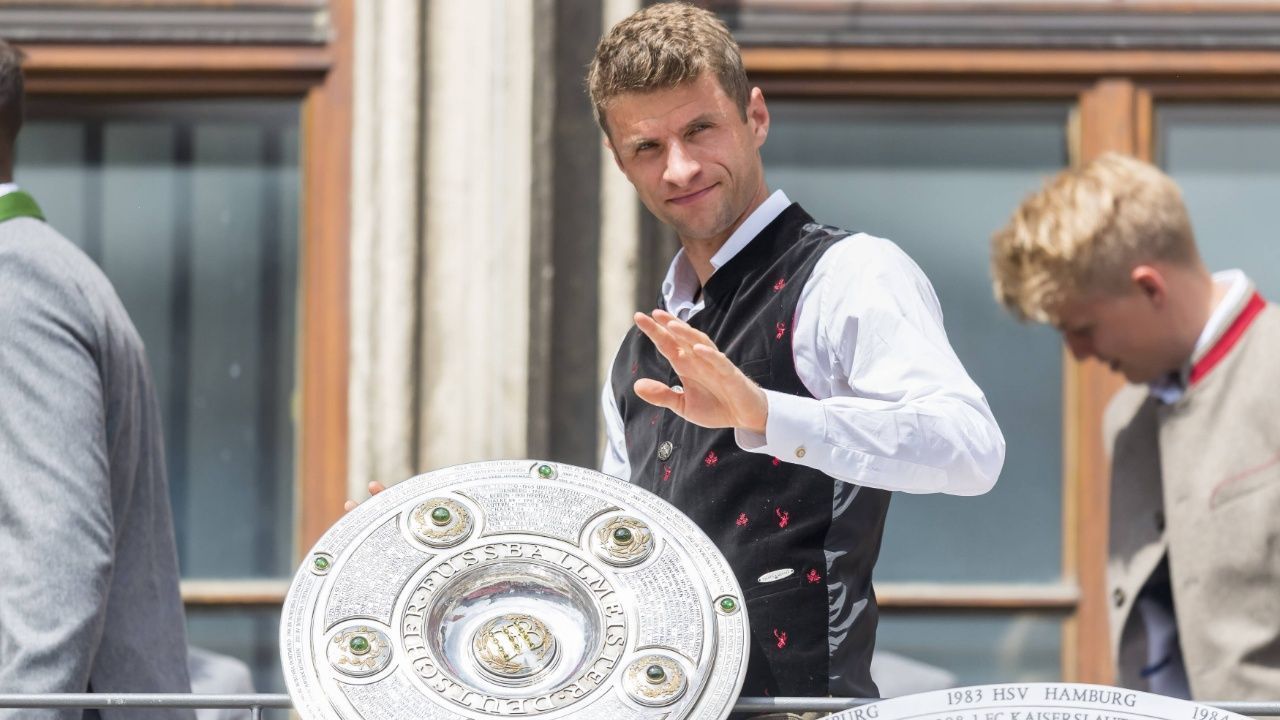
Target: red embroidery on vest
pixel 666 472
pixel 813 577
pixel 781 637
pixel 742 519
pixel 784 517
pixel 711 459
pixel 777 461
pixel 782 329
pixel 635 367
pixel 654 420
pixel 782 282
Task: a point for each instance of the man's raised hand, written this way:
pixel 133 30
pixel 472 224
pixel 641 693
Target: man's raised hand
pixel 713 392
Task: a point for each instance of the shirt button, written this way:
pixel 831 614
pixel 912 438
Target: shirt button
pixel 800 451
pixel 1117 596
pixel 1160 521
pixel 664 450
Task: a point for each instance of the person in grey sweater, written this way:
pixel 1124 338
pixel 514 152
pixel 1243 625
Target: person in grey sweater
pixel 89 597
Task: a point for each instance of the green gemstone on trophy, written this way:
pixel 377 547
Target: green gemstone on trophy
pixel 655 673
pixel 728 604
pixel 322 563
pixel 441 516
pixel 546 471
pixel 623 536
pixel 359 645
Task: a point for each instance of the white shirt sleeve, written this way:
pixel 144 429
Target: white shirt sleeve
pixel 892 406
pixel 615 461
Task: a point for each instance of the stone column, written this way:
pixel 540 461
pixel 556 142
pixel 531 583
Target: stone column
pixel 475 294
pixel 386 187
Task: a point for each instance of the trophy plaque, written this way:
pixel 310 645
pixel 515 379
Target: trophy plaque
pixel 514 588
pixel 1036 701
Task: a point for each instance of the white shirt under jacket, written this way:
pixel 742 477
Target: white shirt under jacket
pixel 892 406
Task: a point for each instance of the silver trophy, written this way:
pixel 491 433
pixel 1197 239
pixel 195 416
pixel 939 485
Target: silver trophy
pixel 514 588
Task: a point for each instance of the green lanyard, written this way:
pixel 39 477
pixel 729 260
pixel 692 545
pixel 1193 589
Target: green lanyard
pixel 19 204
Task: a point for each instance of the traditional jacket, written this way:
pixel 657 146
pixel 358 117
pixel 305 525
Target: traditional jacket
pixel 1195 502
pixel 802 544
pixel 89 599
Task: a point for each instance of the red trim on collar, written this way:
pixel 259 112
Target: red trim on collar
pixel 1228 339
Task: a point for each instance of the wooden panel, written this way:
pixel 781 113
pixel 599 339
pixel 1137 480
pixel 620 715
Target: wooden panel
pixel 322 457
pixel 1029 25
pixel 172 70
pixel 207 4
pixel 1010 6
pixel 172 85
pixel 232 22
pixel 1114 115
pixel 945 596
pixel 775 85
pixel 234 592
pixel 51 59
pixel 1012 63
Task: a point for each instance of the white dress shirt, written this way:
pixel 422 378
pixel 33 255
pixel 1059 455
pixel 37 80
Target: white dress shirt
pixel 1169 390
pixel 892 406
pixel 6 188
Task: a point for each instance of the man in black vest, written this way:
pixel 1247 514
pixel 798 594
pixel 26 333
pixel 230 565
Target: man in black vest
pixel 793 374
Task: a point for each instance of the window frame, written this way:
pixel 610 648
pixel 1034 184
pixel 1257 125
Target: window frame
pixel 320 77
pixel 1114 93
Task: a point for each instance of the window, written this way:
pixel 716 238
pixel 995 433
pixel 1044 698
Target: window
pixel 937 178
pixel 191 209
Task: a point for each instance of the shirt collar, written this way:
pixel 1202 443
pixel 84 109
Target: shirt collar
pixel 680 287
pixel 6 188
pixel 1171 387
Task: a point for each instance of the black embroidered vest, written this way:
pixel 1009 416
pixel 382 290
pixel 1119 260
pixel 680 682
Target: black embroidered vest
pixel 812 630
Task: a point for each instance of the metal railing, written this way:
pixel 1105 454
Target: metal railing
pixel 256 703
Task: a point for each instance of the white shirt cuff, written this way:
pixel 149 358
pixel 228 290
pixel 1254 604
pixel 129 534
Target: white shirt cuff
pixel 793 421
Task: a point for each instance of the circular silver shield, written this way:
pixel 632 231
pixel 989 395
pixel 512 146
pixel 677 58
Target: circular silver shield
pixel 514 588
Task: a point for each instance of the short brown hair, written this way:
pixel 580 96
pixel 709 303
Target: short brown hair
pixel 10 90
pixel 1085 231
pixel 663 46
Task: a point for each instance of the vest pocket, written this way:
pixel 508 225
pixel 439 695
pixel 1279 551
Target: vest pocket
pixel 1256 477
pixel 762 590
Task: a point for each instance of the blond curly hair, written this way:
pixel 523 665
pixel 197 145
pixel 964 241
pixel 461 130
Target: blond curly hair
pixel 1083 233
pixel 660 47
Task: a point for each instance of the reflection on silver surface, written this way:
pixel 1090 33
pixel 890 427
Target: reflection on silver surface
pixel 514 588
pixel 514 629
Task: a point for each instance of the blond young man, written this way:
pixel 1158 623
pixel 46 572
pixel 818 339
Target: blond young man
pixel 793 374
pixel 1106 254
